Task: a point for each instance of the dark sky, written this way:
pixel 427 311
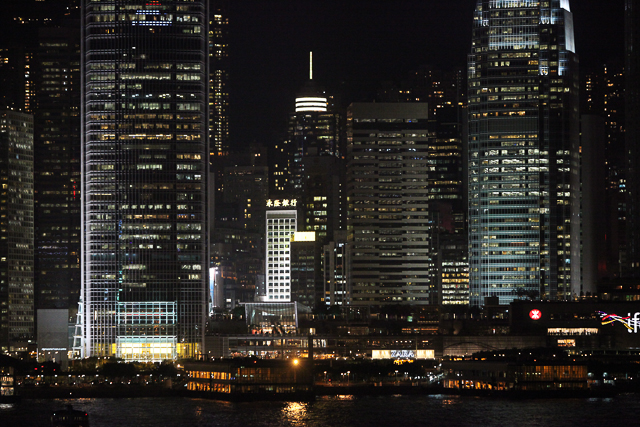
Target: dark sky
pixel 359 43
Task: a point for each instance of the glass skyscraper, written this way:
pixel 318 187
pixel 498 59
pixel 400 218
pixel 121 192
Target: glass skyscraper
pixel 144 151
pixel 523 152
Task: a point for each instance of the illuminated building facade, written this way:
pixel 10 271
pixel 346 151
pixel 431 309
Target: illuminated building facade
pixel 16 231
pixel 453 269
pixel 57 168
pixel 219 66
pixel 281 224
pixel 314 131
pixel 523 152
pixel 219 77
pixel 388 204
pixel 632 135
pixel 144 152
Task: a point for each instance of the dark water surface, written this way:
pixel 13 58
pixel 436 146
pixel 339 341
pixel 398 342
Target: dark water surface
pixel 342 411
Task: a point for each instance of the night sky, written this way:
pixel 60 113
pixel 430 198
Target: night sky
pixel 359 43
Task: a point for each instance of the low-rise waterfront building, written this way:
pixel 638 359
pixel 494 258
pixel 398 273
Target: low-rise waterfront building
pixel 247 378
pixel 7 378
pixel 515 376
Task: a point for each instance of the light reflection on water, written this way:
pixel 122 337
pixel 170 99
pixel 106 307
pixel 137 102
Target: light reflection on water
pixel 295 413
pixel 338 411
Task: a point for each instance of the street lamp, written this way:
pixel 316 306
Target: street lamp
pixel 295 371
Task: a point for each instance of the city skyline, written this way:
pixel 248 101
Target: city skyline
pixel 123 253
pixel 194 207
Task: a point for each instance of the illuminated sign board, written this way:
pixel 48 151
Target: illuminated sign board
pixel 632 323
pixel 303 236
pixel 282 203
pixel 403 354
pixel 535 314
pixel 566 342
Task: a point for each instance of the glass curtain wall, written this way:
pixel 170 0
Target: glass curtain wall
pixel 144 155
pixel 523 152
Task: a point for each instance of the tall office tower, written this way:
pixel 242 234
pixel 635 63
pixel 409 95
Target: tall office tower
pixel 632 95
pixel 57 168
pixel 615 174
pixel 219 66
pixel 16 231
pixel 314 131
pixel 452 267
pixel 304 269
pixel 604 172
pixel 281 223
pixel 246 190
pixel 523 152
pixel 388 204
pixel 335 268
pixel 597 224
pixel 219 77
pixel 145 158
pixel 241 253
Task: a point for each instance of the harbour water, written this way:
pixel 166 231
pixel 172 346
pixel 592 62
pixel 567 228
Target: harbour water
pixel 336 412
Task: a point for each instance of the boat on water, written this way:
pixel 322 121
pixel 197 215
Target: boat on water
pixel 69 418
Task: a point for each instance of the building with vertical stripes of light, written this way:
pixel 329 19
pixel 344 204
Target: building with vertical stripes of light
pixel 523 152
pixel 281 225
pixel 390 214
pixel 144 153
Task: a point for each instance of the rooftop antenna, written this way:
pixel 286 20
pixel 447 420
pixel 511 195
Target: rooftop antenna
pixel 310 65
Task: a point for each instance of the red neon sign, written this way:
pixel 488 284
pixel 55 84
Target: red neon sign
pixel 535 314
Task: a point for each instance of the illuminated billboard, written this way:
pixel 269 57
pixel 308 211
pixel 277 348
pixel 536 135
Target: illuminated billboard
pixel 630 322
pixel 403 354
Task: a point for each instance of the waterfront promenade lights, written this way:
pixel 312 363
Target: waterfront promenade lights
pixel 348 376
pixel 295 371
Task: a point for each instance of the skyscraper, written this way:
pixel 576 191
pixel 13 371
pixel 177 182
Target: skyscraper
pixel 281 224
pixel 219 67
pixel 16 231
pixel 632 135
pixel 388 204
pixel 57 168
pixel 219 77
pixel 523 152
pixel 144 153
pixel 314 131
